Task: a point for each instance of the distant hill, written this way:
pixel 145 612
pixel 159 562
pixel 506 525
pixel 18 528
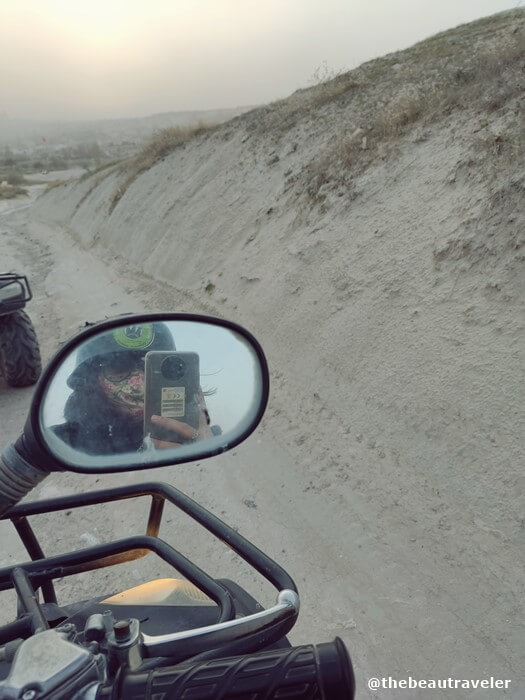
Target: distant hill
pixel 26 133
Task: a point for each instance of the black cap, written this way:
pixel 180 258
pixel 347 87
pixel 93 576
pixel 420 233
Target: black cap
pixel 136 339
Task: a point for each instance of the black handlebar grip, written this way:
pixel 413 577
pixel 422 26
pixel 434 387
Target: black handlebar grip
pixel 310 672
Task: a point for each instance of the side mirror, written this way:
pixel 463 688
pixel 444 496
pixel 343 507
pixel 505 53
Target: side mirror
pixel 147 390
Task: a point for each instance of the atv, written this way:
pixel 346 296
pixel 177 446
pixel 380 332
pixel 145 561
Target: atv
pixel 20 361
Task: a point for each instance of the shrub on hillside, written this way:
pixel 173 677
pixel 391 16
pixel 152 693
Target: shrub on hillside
pixel 160 145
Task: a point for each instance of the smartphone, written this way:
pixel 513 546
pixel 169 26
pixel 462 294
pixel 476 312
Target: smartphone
pixel 171 390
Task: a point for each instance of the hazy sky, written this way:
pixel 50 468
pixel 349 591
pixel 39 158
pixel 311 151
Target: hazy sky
pixel 84 59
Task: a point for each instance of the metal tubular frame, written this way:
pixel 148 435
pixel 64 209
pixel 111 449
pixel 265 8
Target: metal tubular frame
pixel 41 571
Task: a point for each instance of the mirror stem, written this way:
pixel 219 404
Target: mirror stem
pixel 17 476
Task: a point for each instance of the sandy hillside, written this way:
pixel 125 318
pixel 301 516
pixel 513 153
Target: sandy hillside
pixel 369 232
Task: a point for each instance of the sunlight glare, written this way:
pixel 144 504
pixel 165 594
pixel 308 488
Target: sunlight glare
pixel 99 24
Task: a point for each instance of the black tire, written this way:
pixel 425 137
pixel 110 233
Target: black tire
pixel 20 361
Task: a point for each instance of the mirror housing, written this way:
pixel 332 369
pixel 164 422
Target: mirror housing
pixel 225 350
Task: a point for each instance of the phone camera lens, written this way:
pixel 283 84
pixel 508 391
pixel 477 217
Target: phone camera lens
pixel 172 368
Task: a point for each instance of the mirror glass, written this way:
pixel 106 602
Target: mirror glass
pixel 150 393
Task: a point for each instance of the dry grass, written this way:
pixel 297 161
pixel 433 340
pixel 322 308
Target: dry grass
pixel 423 82
pixel 402 111
pixel 283 115
pixel 489 77
pixel 404 91
pixel 15 178
pixel 161 144
pixel 12 191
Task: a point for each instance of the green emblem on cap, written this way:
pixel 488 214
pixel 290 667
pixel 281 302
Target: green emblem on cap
pixel 135 336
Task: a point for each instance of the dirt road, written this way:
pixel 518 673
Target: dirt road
pixel 389 599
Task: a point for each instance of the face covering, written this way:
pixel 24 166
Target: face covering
pixel 127 395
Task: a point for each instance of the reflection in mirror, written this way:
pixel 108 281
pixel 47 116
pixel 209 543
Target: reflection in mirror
pixel 151 392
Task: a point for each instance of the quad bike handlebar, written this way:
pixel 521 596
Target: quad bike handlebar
pixel 308 672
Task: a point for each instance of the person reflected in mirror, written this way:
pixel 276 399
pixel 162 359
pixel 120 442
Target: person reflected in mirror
pixel 104 413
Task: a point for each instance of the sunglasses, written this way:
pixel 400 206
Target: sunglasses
pixel 121 366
